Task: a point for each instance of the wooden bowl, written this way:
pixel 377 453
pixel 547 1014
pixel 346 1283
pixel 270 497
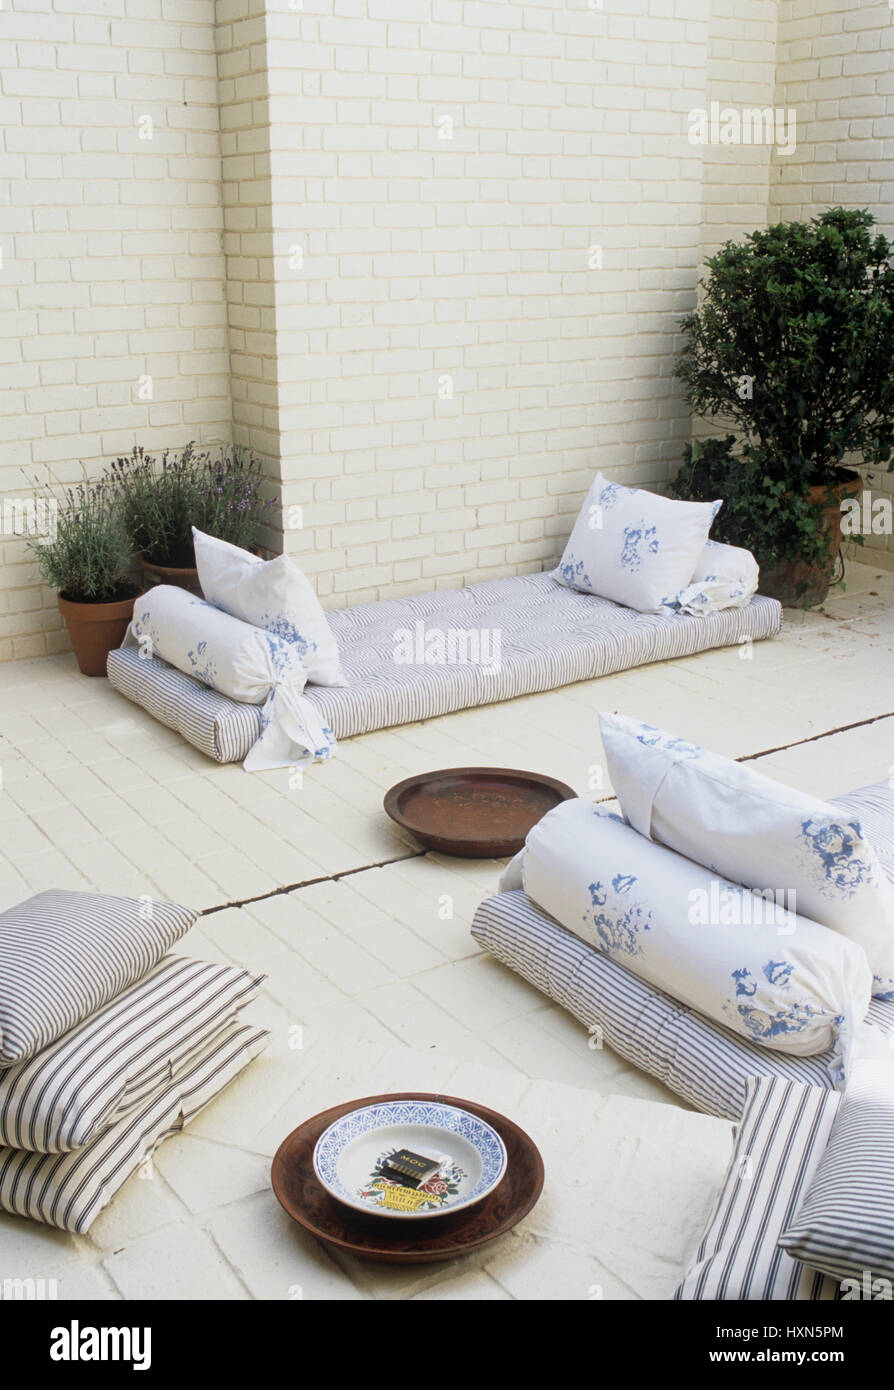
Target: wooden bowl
pixel 474 812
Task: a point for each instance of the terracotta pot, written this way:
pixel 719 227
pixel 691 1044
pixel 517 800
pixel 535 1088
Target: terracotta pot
pixel 182 576
pixel 797 583
pixel 96 629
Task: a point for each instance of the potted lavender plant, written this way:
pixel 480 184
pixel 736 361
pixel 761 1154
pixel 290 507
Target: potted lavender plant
pixel 86 559
pixel 163 498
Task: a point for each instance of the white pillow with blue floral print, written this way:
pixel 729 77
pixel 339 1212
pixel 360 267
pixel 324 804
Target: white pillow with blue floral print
pixel 726 576
pixel 243 662
pixel 755 831
pixel 770 975
pixel 635 547
pixel 273 594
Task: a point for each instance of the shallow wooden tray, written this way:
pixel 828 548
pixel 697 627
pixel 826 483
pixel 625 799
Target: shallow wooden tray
pixel 474 812
pixel 303 1196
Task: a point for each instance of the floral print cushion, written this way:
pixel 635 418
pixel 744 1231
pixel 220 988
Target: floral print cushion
pixel 635 547
pixel 765 972
pixel 271 594
pixel 757 832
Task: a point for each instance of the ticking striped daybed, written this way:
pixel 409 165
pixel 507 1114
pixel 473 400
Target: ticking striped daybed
pixel 702 1061
pixel 550 636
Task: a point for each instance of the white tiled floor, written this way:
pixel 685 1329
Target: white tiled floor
pixel 378 966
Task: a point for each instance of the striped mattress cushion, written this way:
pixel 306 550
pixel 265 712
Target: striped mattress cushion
pixel 550 636
pixel 118 1059
pixel 845 1225
pixel 70 1190
pixel 784 1129
pixel 64 954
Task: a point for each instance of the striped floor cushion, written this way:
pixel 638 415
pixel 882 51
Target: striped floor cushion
pixel 217 726
pixel 70 1190
pixel 63 954
pixel 549 636
pixel 121 1057
pixel 700 1060
pixel 845 1225
pixel 779 1144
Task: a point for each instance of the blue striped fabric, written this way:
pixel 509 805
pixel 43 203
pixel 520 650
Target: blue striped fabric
pixel 69 1190
pixel 845 1225
pixel 63 954
pixel 874 808
pixel 120 1057
pixel 217 726
pixel 780 1141
pixel 701 1061
pixel 549 636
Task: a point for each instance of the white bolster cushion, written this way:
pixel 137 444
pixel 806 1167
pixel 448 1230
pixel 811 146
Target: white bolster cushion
pixel 772 976
pixel 243 662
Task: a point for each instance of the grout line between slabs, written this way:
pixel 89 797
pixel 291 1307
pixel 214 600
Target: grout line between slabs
pixel 421 853
pixel 310 882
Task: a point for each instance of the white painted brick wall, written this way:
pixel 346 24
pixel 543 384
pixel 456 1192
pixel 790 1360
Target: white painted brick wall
pixel 462 265
pixel 245 138
pixel 112 264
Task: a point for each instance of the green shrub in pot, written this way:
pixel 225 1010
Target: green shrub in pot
pixel 791 346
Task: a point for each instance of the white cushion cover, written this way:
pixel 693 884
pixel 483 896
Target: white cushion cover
pixel 845 1224
pixel 120 1057
pixel 783 981
pixel 726 576
pixel 273 594
pixel 236 659
pixel 784 1129
pixel 633 546
pixel 756 832
pixel 64 954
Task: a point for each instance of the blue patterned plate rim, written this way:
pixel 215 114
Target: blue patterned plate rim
pixel 391 1114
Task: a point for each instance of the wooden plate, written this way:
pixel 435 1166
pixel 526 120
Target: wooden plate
pixel 302 1195
pixel 474 812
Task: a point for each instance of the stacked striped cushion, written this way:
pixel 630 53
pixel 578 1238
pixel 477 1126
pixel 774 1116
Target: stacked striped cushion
pixel 874 808
pixel 111 1047
pixel 64 954
pixel 69 1190
pixel 784 1130
pixel 550 636
pixel 845 1225
pixel 120 1057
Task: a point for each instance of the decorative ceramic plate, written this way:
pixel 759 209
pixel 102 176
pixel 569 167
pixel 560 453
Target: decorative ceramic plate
pixel 470 1154
pixel 340 1227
